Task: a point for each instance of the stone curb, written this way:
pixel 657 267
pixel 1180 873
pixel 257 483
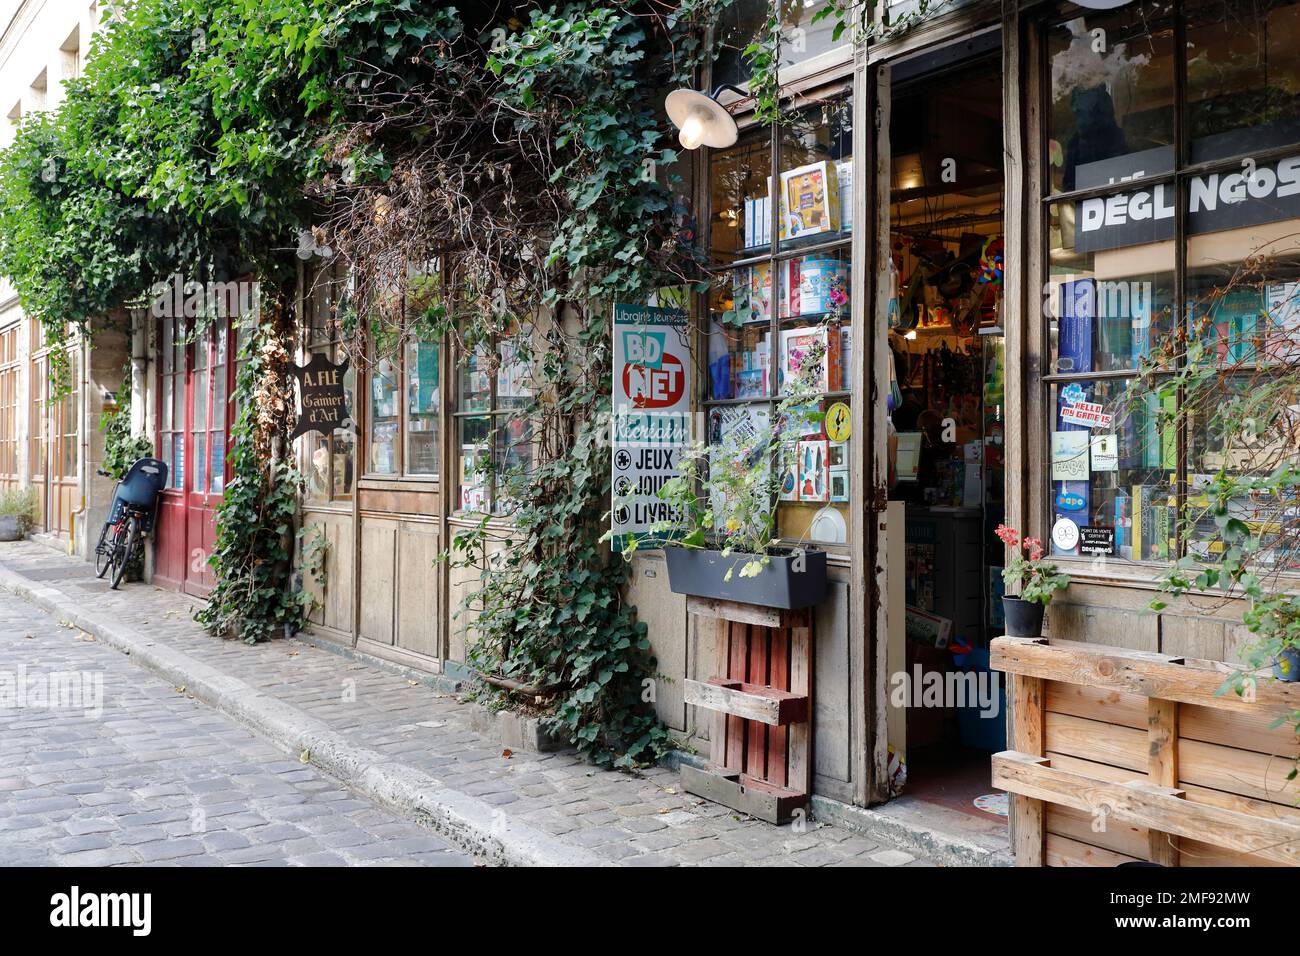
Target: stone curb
pixel 469 822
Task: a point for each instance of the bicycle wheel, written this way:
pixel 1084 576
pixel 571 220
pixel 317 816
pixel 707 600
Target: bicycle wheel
pixel 122 556
pixel 103 552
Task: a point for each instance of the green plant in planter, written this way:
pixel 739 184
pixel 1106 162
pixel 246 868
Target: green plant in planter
pixel 20 503
pixel 724 496
pixel 1035 579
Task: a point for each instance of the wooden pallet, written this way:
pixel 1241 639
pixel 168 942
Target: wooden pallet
pixel 761 700
pixel 1122 755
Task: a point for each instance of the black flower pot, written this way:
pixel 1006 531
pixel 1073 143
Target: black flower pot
pixel 1024 618
pixel 790 580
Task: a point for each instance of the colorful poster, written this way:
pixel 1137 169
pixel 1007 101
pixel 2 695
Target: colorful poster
pixel 651 414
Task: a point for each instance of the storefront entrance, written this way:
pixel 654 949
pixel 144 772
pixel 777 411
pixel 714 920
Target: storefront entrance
pixel 943 270
pixel 196 380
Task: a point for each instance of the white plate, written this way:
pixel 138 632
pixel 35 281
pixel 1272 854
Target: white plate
pixel 828 526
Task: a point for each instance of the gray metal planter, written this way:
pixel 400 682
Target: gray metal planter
pixel 790 581
pixel 11 528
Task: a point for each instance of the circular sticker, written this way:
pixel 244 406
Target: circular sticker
pixel 839 422
pixel 1065 534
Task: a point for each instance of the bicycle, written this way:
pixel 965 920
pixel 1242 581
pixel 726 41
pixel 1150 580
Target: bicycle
pixel 132 515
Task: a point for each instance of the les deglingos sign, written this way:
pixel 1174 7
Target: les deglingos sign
pixel 651 414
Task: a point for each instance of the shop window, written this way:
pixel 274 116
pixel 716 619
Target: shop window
pixel 495 442
pixel 404 418
pixel 330 461
pixel 786 238
pixel 1167 255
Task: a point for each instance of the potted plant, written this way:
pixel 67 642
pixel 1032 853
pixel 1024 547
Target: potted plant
pixel 1275 618
pixel 1036 581
pixel 722 541
pixel 18 513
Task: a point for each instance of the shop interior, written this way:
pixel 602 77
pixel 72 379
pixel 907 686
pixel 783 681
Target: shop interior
pixel 946 412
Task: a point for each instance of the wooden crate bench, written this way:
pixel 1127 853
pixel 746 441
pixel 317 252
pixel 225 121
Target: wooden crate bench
pixel 760 698
pixel 1120 755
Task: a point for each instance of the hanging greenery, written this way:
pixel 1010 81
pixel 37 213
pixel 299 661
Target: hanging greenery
pixel 525 151
pixel 121 448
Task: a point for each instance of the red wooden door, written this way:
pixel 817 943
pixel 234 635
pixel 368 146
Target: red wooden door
pixel 194 417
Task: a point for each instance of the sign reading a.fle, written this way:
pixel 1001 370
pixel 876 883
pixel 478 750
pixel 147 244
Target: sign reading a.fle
pixel 651 414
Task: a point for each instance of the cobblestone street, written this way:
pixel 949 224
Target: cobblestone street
pixel 159 778
pixel 130 787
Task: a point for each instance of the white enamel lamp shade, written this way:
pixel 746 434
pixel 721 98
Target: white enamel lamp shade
pixel 701 120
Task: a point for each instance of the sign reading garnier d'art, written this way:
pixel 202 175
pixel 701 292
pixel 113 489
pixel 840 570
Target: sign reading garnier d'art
pixel 1231 199
pixel 651 420
pixel 323 405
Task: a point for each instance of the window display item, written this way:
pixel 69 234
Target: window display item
pixel 811 195
pixel 829 527
pixel 814 470
pixel 823 286
pixel 844 182
pixel 796 345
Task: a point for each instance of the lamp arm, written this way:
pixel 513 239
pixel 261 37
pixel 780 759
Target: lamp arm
pixel 727 86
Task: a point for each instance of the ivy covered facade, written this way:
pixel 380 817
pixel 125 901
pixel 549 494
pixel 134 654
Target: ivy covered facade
pixel 445 206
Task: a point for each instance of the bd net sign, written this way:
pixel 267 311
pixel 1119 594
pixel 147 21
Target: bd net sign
pixel 651 414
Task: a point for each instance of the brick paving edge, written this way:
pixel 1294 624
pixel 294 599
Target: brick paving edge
pixel 470 823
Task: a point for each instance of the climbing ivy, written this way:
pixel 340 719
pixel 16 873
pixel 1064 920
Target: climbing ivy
pixel 121 448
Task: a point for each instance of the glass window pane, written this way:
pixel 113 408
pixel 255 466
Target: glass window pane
pixel 217 464
pixel 178 462
pixel 740 332
pixel 814 478
pixel 740 196
pixel 475 384
pixel 816 190
pixel 344 458
pixel 514 376
pixel 472 465
pixel 514 459
pixel 801 38
pixel 1243 77
pixel 1109 297
pixel 1111 111
pixel 384 422
pixel 316 474
pixel 815 320
pixel 201 400
pixel 739 24
pixel 199 460
pixel 423 409
pixel 1112 466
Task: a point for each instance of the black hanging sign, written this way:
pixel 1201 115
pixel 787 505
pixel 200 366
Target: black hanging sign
pixel 324 402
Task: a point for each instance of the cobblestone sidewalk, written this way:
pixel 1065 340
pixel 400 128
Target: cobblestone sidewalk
pixel 140 773
pixel 600 816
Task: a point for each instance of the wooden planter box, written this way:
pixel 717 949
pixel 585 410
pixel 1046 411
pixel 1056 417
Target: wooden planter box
pixel 760 697
pixel 1120 755
pixel 789 581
